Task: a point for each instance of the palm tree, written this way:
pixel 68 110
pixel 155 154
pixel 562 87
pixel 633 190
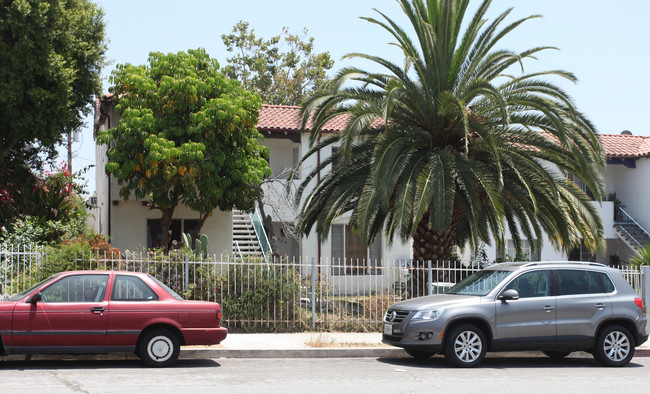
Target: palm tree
pixel 449 147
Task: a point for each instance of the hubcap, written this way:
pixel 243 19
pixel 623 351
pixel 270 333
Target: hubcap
pixel 616 346
pixel 160 348
pixel 468 346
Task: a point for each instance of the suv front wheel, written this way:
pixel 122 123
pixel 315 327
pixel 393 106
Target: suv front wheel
pixel 465 346
pixel 614 346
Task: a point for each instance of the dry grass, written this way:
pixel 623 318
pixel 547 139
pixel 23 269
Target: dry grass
pixel 323 341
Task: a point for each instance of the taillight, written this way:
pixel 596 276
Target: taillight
pixel 219 315
pixel 638 302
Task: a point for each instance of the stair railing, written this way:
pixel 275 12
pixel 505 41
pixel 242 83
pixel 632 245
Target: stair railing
pixel 256 220
pixel 623 220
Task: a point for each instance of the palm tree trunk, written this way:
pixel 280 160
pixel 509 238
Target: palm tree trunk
pixel 430 245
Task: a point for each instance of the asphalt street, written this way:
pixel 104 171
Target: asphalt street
pixel 332 375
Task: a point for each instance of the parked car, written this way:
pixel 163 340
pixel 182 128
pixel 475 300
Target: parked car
pixel 555 307
pixel 107 311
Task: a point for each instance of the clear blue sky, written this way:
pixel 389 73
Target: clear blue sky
pixel 604 43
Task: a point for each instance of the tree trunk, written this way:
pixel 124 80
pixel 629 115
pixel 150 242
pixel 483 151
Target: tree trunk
pixel 166 222
pixel 430 245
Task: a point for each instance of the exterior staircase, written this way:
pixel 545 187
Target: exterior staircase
pixel 628 230
pixel 244 238
pixel 248 236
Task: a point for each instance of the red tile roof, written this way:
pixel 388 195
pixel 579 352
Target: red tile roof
pixel 287 118
pixel 626 146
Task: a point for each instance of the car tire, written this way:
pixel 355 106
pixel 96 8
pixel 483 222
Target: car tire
pixel 556 354
pixel 419 354
pixel 159 348
pixel 614 346
pixel 465 346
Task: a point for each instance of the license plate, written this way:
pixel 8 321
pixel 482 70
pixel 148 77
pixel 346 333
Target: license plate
pixel 388 329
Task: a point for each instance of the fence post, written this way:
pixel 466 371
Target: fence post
pixel 429 279
pixel 313 293
pixel 186 280
pixel 645 284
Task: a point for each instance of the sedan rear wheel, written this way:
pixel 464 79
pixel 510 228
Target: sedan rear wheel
pixel 614 347
pixel 159 348
pixel 465 346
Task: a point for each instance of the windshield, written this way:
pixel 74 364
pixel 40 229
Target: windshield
pixel 167 289
pixel 480 283
pixel 21 295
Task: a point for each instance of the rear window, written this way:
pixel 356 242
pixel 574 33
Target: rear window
pixel 584 282
pixel 131 288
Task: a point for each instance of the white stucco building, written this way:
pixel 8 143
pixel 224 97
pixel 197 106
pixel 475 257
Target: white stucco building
pixel 132 226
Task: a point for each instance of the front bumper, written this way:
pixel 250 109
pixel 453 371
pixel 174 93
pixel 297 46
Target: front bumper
pixel 422 334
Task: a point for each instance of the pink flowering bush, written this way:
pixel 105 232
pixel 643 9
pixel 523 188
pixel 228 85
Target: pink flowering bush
pixel 43 209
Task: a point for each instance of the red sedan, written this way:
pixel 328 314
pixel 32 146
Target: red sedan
pixel 107 311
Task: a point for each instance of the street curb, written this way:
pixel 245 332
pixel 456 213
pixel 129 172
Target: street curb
pixel 294 353
pixel 269 353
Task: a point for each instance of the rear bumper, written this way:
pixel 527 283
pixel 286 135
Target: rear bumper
pixel 204 336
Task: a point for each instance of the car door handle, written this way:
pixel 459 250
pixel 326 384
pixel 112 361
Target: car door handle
pixel 96 309
pixel 600 306
pixel 548 308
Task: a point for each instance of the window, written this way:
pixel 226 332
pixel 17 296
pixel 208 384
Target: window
pixel 351 255
pixel 581 253
pixel 525 253
pixel 76 288
pixel 178 227
pixel 337 161
pixel 584 282
pixel 580 184
pixel 532 284
pixel 131 288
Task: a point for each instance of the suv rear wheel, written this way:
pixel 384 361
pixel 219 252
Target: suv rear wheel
pixel 465 346
pixel 614 346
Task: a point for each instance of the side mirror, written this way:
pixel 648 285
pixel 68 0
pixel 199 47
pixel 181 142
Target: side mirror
pixel 508 295
pixel 36 298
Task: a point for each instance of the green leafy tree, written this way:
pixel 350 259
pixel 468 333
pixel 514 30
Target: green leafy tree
pixel 455 143
pixel 52 52
pixel 283 70
pixel 187 135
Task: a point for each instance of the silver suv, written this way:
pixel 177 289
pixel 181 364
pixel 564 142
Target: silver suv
pixel 555 307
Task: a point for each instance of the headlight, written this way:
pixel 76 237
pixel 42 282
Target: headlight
pixel 431 314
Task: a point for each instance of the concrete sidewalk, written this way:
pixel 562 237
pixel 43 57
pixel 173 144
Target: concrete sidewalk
pixel 315 345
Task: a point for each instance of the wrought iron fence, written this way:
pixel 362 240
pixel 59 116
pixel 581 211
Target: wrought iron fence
pixel 287 295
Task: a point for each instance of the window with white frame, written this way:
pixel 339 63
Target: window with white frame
pixel 351 255
pixel 581 253
pixel 524 253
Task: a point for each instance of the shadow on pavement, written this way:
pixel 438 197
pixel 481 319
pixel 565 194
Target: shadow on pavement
pixel 99 364
pixel 504 362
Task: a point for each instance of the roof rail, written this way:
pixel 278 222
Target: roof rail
pixel 591 263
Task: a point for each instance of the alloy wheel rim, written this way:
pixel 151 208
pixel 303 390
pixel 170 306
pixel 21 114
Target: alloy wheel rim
pixel 616 346
pixel 160 348
pixel 468 346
